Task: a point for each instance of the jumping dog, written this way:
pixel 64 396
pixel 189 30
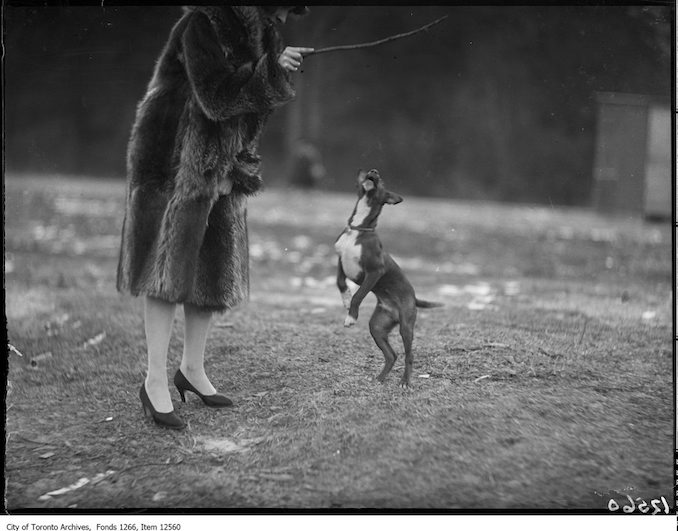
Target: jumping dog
pixel 363 260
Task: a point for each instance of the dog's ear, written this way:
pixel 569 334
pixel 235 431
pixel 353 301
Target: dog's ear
pixel 361 176
pixel 393 199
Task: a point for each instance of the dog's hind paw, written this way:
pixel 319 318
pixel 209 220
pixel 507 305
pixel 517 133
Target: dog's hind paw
pixel 349 321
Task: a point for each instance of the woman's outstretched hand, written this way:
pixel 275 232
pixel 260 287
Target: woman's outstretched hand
pixel 292 57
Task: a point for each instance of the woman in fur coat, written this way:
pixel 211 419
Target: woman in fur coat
pixel 191 163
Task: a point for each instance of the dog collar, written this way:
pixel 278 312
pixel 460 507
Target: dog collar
pixel 362 229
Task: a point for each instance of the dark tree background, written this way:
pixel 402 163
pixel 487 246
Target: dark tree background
pixel 494 103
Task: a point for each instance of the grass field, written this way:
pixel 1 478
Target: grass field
pixel 544 382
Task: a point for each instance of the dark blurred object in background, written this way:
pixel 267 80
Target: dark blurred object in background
pixel 307 169
pixel 496 102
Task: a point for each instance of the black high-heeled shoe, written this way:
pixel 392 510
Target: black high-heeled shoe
pixel 183 385
pixel 166 420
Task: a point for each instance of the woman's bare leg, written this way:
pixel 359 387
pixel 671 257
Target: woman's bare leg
pixel 158 319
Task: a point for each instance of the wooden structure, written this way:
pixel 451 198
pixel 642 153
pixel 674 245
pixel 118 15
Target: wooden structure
pixel 632 166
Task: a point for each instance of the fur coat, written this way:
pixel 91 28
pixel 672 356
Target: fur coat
pixel 192 158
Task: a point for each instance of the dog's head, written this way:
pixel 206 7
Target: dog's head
pixel 371 184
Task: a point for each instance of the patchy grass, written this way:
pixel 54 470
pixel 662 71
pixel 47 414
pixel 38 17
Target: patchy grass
pixel 545 381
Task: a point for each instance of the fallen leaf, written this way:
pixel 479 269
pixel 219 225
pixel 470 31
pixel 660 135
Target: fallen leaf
pixel 101 476
pixel 481 378
pixel 47 455
pixel 424 376
pixel 13 349
pixel 78 484
pixel 158 496
pixel 95 340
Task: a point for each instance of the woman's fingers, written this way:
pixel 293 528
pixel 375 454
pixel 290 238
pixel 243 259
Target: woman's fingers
pixel 293 54
pixel 292 57
pixel 299 52
pixel 303 51
pixel 288 64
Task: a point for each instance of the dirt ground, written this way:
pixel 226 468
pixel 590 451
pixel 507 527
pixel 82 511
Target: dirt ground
pixel 544 383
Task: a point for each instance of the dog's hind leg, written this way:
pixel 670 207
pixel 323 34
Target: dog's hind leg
pixel 407 335
pixel 381 324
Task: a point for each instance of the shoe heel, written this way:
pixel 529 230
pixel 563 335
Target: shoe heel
pixel 183 385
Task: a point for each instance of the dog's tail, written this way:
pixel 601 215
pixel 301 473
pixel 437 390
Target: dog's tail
pixel 428 304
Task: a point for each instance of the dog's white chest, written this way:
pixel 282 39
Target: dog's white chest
pixel 350 252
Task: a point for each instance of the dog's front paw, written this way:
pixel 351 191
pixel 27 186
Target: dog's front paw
pixel 346 299
pixel 349 321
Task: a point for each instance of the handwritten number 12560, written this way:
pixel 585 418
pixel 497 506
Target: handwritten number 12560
pixel 642 506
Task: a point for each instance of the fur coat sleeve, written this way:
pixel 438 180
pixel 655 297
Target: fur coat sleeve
pixel 222 87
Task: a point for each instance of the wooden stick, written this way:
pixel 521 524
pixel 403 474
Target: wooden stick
pixel 374 43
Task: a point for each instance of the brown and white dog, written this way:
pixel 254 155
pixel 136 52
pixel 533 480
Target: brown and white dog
pixel 363 260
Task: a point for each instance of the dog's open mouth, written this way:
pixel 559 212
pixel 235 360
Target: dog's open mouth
pixel 371 180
